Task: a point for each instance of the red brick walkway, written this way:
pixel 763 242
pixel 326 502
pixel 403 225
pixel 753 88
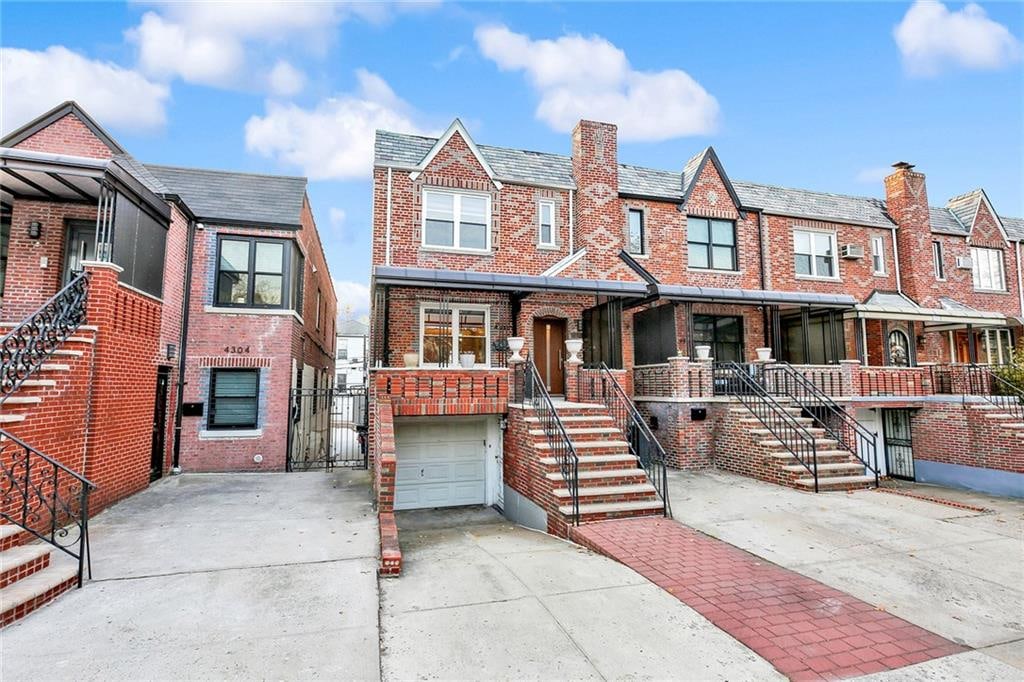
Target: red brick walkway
pixel 805 629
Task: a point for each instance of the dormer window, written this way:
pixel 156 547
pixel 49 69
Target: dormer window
pixel 454 220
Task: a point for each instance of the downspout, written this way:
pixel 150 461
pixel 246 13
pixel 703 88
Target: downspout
pixel 183 340
pixel 768 334
pixel 387 223
pixel 1020 282
pixel 572 227
pixel 896 261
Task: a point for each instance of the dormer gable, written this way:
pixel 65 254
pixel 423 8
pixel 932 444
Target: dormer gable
pixel 975 212
pixel 703 179
pixel 457 136
pixel 66 129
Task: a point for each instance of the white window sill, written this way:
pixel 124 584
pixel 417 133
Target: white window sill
pixel 879 274
pixel 452 249
pixel 713 271
pixel 230 434
pixel 549 247
pixel 641 256
pixel 285 312
pixel 990 291
pixel 815 278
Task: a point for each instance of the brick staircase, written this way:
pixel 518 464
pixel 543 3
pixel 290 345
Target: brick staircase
pixel 611 484
pixel 749 448
pixel 30 574
pixel 1002 418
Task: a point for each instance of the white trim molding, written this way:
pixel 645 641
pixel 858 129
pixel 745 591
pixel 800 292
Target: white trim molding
pixel 455 127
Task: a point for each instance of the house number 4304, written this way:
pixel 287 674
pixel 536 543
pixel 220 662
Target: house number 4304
pixel 236 349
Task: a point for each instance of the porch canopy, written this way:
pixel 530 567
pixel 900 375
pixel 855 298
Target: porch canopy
pixel 951 315
pixel 674 292
pixel 131 218
pixel 493 281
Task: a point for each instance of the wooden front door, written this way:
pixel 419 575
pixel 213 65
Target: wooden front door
pixel 549 344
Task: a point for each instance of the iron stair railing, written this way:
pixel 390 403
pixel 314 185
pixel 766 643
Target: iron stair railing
pixel 25 348
pixel 734 380
pixel 642 444
pixel 528 388
pixel 782 379
pixel 46 499
pixel 981 381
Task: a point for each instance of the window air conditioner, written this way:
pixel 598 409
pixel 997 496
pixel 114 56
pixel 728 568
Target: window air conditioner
pixel 851 251
pixel 964 262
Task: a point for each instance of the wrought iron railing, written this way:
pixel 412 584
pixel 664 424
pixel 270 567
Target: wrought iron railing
pixel 981 381
pixel 602 387
pixel 25 348
pixel 735 380
pixel 528 389
pixel 782 379
pixel 46 499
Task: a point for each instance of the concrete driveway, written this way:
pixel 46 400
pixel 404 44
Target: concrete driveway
pixel 956 572
pixel 480 598
pixel 204 576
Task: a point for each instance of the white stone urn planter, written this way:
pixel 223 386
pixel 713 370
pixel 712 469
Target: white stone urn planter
pixel 703 352
pixel 763 354
pixel 467 360
pixel 574 346
pixel 515 344
pixel 411 359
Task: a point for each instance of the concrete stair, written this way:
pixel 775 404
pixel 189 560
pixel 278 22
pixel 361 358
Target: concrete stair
pixel 29 577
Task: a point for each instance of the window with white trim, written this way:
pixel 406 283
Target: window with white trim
pixel 635 232
pixel 446 332
pixel 454 220
pixel 997 345
pixel 815 254
pixel 878 255
pixel 939 261
pixel 988 269
pixel 546 223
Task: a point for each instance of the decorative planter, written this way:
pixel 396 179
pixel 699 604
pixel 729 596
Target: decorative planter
pixel 515 344
pixel 764 354
pixel 411 359
pixel 703 352
pixel 467 360
pixel 574 346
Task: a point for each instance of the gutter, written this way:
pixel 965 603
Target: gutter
pixel 572 227
pixel 896 261
pixel 387 223
pixel 1020 282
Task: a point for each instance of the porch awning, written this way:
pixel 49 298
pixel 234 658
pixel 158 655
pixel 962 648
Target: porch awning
pixel 952 314
pixel 674 292
pixel 493 281
pixel 44 176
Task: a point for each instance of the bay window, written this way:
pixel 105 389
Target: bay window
pixel 815 254
pixel 988 269
pixel 446 332
pixel 453 220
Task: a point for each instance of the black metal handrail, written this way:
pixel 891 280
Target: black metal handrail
pixel 736 382
pixel 642 443
pixel 783 379
pixel 981 381
pixel 46 499
pixel 528 388
pixel 24 349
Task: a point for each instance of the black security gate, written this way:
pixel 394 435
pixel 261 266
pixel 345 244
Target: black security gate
pixel 899 453
pixel 327 428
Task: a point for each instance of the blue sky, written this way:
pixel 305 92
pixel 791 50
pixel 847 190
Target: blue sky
pixel 823 96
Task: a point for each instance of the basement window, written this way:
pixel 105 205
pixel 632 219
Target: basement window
pixel 234 398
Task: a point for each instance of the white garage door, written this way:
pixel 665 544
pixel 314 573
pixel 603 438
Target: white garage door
pixel 440 464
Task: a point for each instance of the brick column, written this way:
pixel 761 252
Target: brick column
pixel 572 380
pixel 679 370
pixel 707 377
pixel 850 372
pixel 927 386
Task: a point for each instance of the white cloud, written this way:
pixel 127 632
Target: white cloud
pixel 454 55
pixel 353 299
pixel 873 175
pixel 589 77
pixel 167 49
pixel 930 37
pixel 32 82
pixel 337 217
pixel 285 80
pixel 333 140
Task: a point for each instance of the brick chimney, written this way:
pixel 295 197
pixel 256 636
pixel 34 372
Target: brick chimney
pixel 906 199
pixel 599 220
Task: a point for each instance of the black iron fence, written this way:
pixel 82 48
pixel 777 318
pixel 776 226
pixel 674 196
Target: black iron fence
pixel 327 428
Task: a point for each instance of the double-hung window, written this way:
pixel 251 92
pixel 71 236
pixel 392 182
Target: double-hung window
pixel 546 223
pixel 635 232
pixel 988 269
pixel 234 398
pixel 878 255
pixel 815 254
pixel 938 260
pixel 711 244
pixel 447 332
pixel 453 220
pixel 251 272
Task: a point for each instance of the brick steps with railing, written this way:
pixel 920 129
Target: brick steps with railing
pixel 29 575
pixel 1006 421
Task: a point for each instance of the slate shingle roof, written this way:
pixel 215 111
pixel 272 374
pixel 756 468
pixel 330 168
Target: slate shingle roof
pixel 517 165
pixel 965 206
pixel 237 198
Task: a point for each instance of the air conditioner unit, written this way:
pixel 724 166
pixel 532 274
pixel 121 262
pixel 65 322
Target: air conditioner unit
pixel 851 251
pixel 964 262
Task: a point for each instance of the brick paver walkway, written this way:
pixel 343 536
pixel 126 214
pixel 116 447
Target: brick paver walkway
pixel 807 630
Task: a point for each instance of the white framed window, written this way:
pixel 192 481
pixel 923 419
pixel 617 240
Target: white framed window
pixel 456 220
pixel 938 259
pixel 988 269
pixel 448 331
pixel 814 254
pixel 635 232
pixel 546 223
pixel 878 255
pixel 998 346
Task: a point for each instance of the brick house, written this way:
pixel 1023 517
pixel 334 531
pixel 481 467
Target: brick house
pixel 153 318
pixel 653 270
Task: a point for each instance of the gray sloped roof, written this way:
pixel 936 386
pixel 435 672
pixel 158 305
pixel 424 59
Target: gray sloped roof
pixel 818 205
pixel 143 174
pixel 1014 227
pixel 235 198
pixel 519 165
pixel 353 328
pixel 890 298
pixel 965 206
pixel 650 182
pixel 945 221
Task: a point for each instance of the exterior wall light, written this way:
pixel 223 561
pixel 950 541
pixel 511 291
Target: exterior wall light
pixel 35 229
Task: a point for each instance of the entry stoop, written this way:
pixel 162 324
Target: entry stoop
pixel 29 578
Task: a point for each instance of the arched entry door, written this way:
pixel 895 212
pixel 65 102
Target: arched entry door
pixel 549 345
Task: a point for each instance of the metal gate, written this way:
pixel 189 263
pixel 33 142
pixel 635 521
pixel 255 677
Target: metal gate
pixel 327 428
pixel 899 453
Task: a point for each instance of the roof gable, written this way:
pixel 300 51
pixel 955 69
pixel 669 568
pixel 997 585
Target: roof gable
pixel 967 208
pixel 456 128
pixel 52 116
pixel 695 166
